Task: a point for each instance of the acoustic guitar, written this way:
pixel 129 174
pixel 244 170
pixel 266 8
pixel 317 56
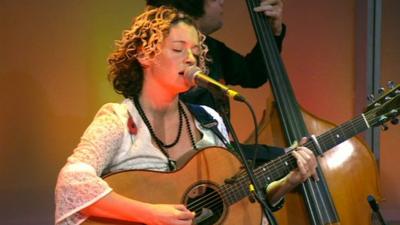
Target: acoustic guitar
pixel 213 183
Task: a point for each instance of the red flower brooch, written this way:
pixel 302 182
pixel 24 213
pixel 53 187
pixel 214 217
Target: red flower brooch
pixel 131 125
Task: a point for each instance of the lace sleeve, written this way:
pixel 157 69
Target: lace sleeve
pixel 79 184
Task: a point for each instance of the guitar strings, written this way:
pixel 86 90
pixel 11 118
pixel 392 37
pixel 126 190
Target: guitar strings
pixel 234 188
pixel 237 187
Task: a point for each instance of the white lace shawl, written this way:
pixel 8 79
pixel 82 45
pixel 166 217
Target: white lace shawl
pixel 107 146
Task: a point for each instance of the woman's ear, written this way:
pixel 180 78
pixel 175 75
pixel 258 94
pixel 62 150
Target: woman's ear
pixel 144 61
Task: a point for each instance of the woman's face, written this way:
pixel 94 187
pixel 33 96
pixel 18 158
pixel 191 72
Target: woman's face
pixel 179 51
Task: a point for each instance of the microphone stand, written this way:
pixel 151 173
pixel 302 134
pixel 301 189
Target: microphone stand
pixel 375 209
pixel 257 192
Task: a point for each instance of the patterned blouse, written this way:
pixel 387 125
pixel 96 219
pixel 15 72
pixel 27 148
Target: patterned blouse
pixel 108 145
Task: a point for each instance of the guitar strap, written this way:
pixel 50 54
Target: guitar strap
pixel 208 122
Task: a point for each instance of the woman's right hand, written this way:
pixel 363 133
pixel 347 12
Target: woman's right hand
pixel 164 214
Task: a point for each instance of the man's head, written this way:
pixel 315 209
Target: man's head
pixel 194 8
pixel 208 13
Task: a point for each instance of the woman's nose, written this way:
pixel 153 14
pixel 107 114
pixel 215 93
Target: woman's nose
pixel 191 58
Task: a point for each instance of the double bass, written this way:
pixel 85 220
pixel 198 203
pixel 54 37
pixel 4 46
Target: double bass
pixel 348 172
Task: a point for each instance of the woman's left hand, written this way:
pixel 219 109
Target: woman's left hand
pixel 307 164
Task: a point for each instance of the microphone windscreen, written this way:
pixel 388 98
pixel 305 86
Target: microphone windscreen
pixel 190 73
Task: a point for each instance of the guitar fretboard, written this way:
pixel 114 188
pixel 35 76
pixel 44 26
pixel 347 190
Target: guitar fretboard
pixel 238 187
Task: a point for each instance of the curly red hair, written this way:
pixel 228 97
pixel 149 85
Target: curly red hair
pixel 144 40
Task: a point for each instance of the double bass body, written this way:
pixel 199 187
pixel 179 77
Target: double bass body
pixel 348 172
pixel 349 169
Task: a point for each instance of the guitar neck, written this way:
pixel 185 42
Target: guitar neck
pixel 338 135
pixel 281 166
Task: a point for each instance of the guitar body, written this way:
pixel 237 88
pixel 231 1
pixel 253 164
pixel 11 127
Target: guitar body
pixel 213 185
pixel 204 172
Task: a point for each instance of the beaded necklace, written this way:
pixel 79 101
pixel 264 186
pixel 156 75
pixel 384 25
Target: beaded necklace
pixel 161 145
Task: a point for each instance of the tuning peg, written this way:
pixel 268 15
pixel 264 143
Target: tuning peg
pixel 371 97
pixel 393 114
pixel 384 127
pixel 391 84
pixel 377 104
pixel 383 119
pixel 381 90
pixel 387 98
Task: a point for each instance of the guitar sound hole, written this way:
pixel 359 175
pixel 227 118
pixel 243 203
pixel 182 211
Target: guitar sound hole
pixel 205 200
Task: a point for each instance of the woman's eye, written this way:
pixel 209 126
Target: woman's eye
pixel 177 50
pixel 196 54
pixel 196 51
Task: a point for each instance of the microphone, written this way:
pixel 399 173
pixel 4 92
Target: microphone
pixel 195 76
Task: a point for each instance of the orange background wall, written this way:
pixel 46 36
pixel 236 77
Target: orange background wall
pixel 53 69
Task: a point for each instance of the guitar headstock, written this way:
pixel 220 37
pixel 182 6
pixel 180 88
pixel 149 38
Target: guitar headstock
pixel 385 108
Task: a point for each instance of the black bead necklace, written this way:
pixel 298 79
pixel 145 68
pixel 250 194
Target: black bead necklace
pixel 160 143
pixel 152 133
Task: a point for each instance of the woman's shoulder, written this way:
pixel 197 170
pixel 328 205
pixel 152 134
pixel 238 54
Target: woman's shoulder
pixel 120 110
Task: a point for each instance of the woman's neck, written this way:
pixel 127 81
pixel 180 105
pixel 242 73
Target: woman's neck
pixel 158 102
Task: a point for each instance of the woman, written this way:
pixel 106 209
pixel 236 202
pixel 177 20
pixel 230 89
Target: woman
pixel 150 129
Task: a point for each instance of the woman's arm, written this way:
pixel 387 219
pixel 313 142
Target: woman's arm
pixel 116 206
